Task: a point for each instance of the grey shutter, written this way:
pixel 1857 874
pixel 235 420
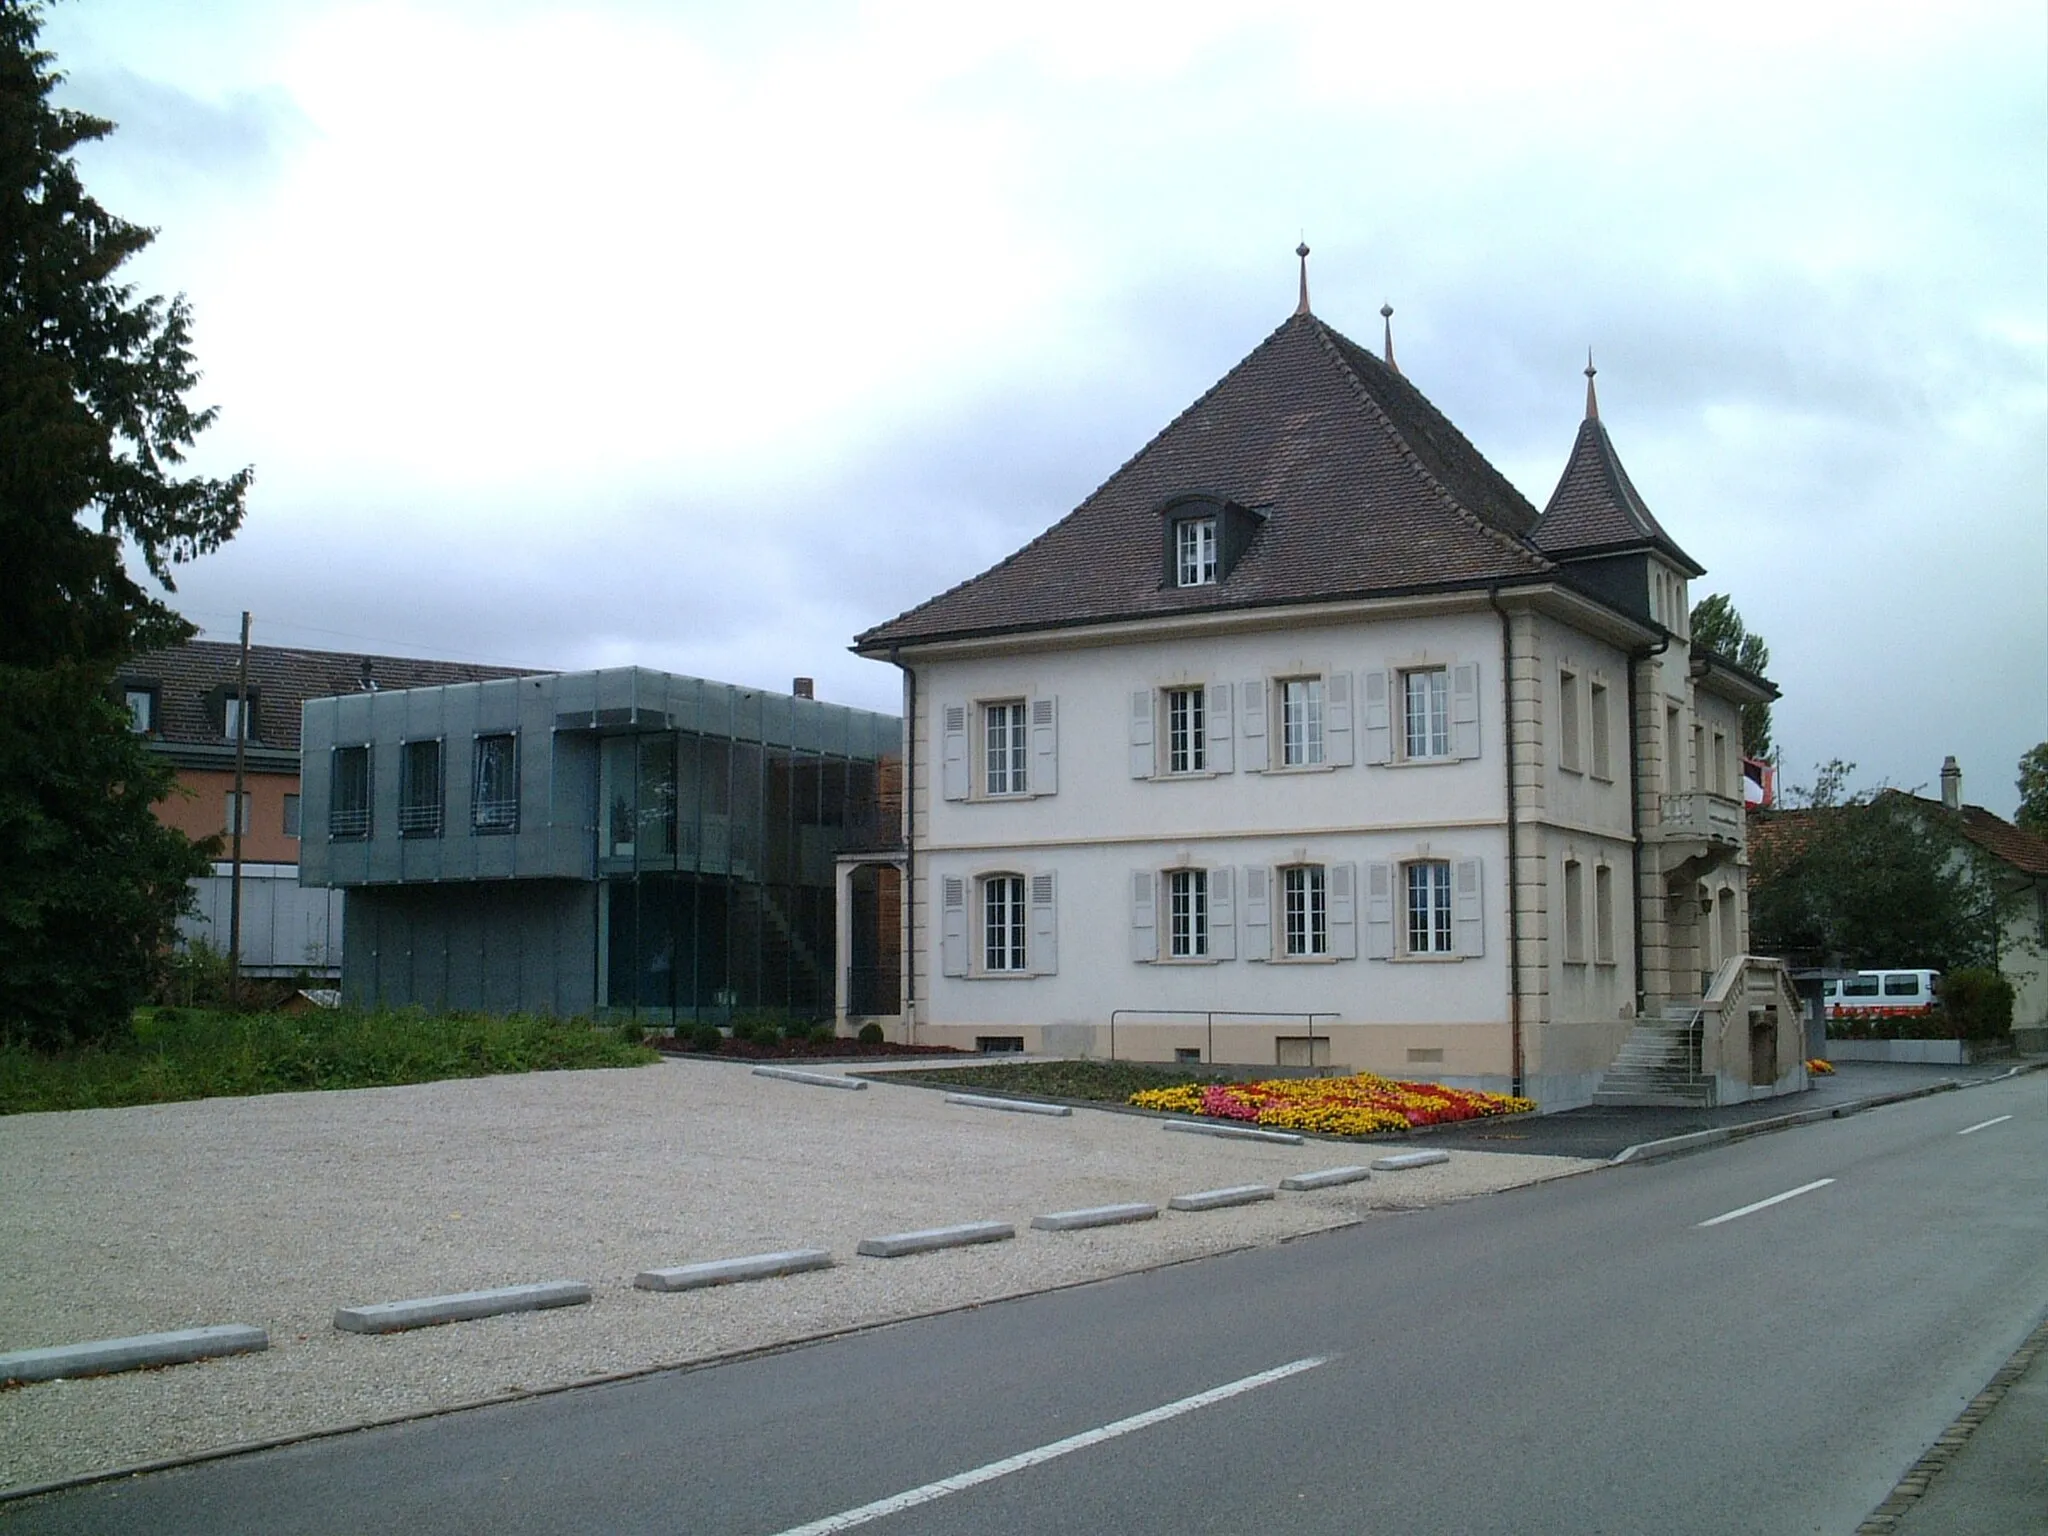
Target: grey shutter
pixel 1258 913
pixel 1253 694
pixel 1343 912
pixel 1144 915
pixel 1142 764
pixel 1468 917
pixel 1379 911
pixel 1465 709
pixel 1045 745
pixel 1045 942
pixel 1337 721
pixel 1222 916
pixel 1216 726
pixel 953 926
pixel 953 751
pixel 1379 730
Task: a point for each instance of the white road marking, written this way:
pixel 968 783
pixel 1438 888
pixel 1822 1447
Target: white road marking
pixel 846 1520
pixel 1984 1125
pixel 1790 1194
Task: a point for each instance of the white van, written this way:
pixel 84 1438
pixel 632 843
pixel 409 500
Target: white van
pixel 1883 994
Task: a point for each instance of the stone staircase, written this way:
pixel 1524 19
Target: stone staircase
pixel 1659 1063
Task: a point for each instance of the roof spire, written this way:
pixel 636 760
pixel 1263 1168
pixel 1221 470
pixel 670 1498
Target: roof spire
pixel 1387 320
pixel 1592 400
pixel 1301 250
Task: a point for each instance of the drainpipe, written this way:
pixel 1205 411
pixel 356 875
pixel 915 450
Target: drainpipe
pixel 1507 700
pixel 909 842
pixel 1635 813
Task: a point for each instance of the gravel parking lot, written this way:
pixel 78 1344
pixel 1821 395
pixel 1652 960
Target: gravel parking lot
pixel 275 1211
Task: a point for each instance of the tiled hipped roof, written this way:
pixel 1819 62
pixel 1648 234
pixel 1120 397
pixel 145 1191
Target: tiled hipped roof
pixel 1785 834
pixel 1596 508
pixel 191 678
pixel 1365 487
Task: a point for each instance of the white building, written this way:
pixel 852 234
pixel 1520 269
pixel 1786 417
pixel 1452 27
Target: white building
pixel 1305 739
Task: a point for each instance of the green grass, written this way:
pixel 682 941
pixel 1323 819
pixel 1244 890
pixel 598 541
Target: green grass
pixel 185 1053
pixel 1102 1082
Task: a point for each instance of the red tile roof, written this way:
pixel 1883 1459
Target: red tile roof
pixel 1365 487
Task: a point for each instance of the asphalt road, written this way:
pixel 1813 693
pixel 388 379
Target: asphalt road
pixel 1756 1339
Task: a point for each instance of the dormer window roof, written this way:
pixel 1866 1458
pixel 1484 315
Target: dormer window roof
pixel 1204 537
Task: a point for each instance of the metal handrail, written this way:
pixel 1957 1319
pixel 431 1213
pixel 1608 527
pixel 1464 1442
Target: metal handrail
pixel 1210 1016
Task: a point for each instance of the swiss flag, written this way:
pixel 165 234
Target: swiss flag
pixel 1759 784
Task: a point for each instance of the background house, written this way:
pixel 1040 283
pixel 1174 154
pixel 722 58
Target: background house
pixel 622 842
pixel 1306 739
pixel 184 701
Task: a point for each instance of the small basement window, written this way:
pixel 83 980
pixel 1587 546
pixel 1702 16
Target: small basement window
pixel 993 1045
pixel 1187 1053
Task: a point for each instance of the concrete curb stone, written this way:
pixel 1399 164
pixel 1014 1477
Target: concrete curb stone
pixel 900 1244
pixel 462 1307
pixel 1093 1216
pixel 756 1266
pixel 104 1357
pixel 1219 1199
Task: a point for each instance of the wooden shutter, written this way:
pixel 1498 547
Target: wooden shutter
pixel 1258 913
pixel 1045 745
pixel 953 926
pixel 1468 916
pixel 1465 709
pixel 1343 911
pixel 1337 720
pixel 1379 911
pixel 1216 726
pixel 1142 762
pixel 953 751
pixel 1222 916
pixel 1253 752
pixel 1045 950
pixel 1144 916
pixel 1379 730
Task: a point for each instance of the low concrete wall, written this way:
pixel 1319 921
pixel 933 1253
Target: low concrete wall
pixel 1931 1052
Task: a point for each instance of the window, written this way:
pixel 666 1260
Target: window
pixel 1674 769
pixel 1194 541
pixel 1603 750
pixel 1429 908
pixel 1188 914
pixel 1005 743
pixel 141 704
pixel 1860 986
pixel 494 787
pixel 1568 721
pixel 1004 921
pixel 419 789
pixel 1721 785
pixel 1305 912
pixel 996 1045
pixel 1574 912
pixel 1603 914
pixel 233 712
pixel 231 822
pixel 1301 721
pixel 291 815
pixel 1426 713
pixel 348 805
pixel 1905 984
pixel 1186 731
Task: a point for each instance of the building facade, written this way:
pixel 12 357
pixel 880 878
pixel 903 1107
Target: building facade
pixel 622 842
pixel 1307 740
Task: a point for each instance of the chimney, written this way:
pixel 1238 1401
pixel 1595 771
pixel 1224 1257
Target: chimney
pixel 1951 784
pixel 801 687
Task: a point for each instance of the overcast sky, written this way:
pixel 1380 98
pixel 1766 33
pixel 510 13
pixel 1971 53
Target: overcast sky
pixel 706 336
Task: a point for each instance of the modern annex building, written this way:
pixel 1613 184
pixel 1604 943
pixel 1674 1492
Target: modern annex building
pixel 1307 739
pixel 622 841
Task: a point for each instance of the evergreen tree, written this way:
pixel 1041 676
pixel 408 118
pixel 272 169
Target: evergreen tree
pixel 1719 628
pixel 2033 788
pixel 94 425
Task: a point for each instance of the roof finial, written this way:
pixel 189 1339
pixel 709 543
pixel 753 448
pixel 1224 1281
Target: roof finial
pixel 1387 320
pixel 1301 250
pixel 1592 400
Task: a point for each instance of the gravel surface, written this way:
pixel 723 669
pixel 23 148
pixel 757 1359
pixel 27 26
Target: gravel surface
pixel 275 1211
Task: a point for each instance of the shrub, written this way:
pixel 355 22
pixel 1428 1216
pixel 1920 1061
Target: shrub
pixel 870 1034
pixel 706 1038
pixel 631 1032
pixel 823 1034
pixel 1978 1002
pixel 759 1026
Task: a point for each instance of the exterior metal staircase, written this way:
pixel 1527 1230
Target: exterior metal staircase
pixel 1659 1063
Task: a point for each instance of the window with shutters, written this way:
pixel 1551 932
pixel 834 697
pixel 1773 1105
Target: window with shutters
pixel 1005 748
pixel 1305 911
pixel 1425 713
pixel 1188 914
pixel 1568 720
pixel 1429 907
pixel 1003 923
pixel 1186 731
pixel 999 749
pixel 1301 721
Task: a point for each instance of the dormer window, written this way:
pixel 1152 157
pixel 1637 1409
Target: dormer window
pixel 1195 541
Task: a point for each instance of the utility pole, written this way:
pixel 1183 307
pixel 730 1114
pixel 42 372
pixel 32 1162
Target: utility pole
pixel 235 824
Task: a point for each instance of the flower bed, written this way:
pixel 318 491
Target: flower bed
pixel 1360 1105
pixel 1820 1068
